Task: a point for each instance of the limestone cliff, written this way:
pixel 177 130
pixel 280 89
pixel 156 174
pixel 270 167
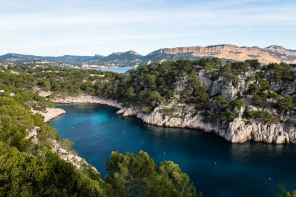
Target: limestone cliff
pixel 271 54
pixel 177 112
pixel 237 131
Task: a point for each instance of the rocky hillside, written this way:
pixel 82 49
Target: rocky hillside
pixel 272 54
pixel 36 161
pixel 239 101
pixel 233 101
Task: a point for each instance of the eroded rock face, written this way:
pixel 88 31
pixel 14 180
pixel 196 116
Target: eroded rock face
pixel 33 133
pixel 86 99
pixel 77 161
pixel 158 118
pixel 204 80
pixel 58 148
pixel 272 54
pixel 237 131
pixel 228 88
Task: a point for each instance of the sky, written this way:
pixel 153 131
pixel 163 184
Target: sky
pixel 89 27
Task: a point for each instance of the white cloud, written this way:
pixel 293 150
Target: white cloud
pixel 75 23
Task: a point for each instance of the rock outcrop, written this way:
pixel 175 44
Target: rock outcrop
pixel 272 54
pixel 68 156
pixel 50 113
pixel 58 148
pixel 86 99
pixel 237 131
pixel 230 89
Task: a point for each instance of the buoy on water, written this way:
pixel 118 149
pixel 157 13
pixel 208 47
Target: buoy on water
pixel 269 179
pixel 215 163
pixel 163 153
pixel 142 141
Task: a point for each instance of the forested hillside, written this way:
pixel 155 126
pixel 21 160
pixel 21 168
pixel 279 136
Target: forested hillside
pixel 221 95
pixel 28 165
pixel 269 91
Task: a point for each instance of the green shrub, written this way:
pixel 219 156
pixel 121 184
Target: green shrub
pixel 261 116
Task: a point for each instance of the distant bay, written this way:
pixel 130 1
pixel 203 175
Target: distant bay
pixel 118 70
pixel 217 167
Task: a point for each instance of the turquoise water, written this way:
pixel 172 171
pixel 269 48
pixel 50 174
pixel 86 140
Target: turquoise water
pixel 217 167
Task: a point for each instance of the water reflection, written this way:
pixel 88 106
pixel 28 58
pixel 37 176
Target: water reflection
pixel 217 167
pixel 247 151
pixel 158 131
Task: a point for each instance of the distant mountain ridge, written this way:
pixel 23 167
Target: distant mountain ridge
pixel 271 54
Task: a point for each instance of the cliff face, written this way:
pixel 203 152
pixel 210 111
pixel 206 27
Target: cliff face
pixel 237 131
pixel 250 120
pixel 272 54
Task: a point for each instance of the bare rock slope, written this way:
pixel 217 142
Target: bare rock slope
pixel 271 54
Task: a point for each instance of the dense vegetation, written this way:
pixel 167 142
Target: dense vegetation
pixel 284 192
pixel 136 175
pixel 29 168
pixel 161 83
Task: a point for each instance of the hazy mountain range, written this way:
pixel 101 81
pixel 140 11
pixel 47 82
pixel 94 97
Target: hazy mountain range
pixel 266 55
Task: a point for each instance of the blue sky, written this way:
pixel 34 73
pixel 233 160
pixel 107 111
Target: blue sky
pixel 88 27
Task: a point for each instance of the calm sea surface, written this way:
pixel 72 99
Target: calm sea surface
pixel 217 167
pixel 118 70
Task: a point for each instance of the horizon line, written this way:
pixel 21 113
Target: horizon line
pixel 149 52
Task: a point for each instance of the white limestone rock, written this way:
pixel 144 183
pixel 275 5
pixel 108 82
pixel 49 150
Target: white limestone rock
pixel 50 113
pixel 86 99
pixel 237 131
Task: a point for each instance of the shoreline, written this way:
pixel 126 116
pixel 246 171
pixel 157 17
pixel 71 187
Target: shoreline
pixel 235 132
pixel 87 99
pixel 50 113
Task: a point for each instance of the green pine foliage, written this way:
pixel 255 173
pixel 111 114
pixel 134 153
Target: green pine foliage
pixel 284 192
pixel 32 169
pixel 37 171
pixel 29 169
pixel 138 175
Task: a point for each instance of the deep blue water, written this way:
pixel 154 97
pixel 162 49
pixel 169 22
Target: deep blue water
pixel 217 167
pixel 118 70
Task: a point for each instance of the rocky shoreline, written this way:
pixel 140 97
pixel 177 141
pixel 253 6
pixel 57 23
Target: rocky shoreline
pixel 50 113
pixel 235 132
pixel 57 148
pixel 86 99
